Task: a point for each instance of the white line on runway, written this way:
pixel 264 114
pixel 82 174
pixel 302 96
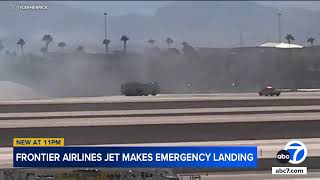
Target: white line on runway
pixel 69 122
pixel 168 97
pixel 160 111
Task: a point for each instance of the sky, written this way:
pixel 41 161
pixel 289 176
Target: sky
pixel 150 7
pixel 310 5
pixel 118 7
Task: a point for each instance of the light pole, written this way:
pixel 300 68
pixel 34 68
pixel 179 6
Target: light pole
pixel 105 31
pixel 279 26
pixel 105 25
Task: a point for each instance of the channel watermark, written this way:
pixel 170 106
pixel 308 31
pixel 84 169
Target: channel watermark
pixel 30 7
pixel 289 170
pixel 294 152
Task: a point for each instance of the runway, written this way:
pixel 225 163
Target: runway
pixel 177 119
pixel 130 124
pixel 169 97
pixel 168 132
pixel 160 112
pixel 155 120
pixel 159 102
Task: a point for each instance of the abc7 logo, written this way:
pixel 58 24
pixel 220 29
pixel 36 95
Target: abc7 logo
pixel 295 152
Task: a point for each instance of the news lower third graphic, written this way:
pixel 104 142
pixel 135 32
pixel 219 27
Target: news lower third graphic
pixel 140 157
pixel 294 152
pixel 38 142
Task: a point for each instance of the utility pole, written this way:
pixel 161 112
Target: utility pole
pixel 279 14
pixel 105 30
pixel 105 25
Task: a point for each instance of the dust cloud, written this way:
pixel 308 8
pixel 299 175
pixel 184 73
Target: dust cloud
pixel 13 91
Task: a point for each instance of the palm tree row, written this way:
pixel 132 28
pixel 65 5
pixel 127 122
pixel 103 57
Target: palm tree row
pixel 47 39
pixel 290 38
pixel 169 41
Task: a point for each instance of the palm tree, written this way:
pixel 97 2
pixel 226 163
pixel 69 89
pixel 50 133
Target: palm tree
pixel 43 50
pixel 47 39
pixel 311 40
pixel 151 41
pixel 289 38
pixel 106 42
pixel 62 45
pixel 124 38
pixel 21 43
pixel 169 41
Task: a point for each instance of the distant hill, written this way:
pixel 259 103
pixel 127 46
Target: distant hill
pixel 209 23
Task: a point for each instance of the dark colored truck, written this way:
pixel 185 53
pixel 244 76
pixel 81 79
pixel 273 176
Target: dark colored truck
pixel 269 91
pixel 140 89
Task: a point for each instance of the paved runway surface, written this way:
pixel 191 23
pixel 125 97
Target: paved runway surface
pixel 169 133
pixel 155 120
pixel 158 102
pixel 173 97
pixel 160 112
pixel 163 119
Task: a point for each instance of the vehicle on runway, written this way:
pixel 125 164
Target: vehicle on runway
pixel 140 89
pixel 269 91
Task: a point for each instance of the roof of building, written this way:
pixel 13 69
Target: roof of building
pixel 280 45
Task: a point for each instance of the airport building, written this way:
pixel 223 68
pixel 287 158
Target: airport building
pixel 280 45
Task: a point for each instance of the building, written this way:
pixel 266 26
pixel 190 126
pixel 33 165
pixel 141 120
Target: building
pixel 280 45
